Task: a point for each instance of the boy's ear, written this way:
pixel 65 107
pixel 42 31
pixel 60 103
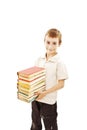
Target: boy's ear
pixel 44 43
pixel 44 39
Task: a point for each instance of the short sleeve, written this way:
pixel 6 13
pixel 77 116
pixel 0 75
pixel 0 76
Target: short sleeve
pixel 61 71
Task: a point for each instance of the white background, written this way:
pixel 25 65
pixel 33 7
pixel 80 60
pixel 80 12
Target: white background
pixel 23 24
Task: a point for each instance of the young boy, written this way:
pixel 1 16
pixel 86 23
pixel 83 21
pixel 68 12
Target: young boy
pixel 45 106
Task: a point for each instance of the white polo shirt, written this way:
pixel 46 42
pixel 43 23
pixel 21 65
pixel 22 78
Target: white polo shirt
pixel 55 70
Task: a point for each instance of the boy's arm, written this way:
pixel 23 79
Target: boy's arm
pixel 54 88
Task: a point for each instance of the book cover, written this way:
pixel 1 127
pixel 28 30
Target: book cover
pixel 27 73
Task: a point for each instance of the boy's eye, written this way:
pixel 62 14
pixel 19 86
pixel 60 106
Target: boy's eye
pixel 54 43
pixel 48 42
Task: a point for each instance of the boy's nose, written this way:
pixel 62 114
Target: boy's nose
pixel 50 47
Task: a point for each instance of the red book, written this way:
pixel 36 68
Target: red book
pixel 32 71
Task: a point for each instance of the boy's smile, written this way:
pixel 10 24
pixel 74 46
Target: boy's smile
pixel 51 45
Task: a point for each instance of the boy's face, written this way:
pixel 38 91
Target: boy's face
pixel 51 45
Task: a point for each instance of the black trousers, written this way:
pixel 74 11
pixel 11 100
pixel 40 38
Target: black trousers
pixel 45 111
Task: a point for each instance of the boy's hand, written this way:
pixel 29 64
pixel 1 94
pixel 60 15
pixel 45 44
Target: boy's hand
pixel 40 95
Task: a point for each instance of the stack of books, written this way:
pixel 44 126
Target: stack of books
pixel 30 81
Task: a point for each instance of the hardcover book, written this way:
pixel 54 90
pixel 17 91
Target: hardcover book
pixel 30 81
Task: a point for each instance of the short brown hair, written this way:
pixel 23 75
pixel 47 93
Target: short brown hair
pixel 54 33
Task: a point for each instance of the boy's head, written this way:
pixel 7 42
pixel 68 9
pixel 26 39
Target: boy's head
pixel 54 33
pixel 52 40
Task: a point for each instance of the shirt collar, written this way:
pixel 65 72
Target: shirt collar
pixel 51 59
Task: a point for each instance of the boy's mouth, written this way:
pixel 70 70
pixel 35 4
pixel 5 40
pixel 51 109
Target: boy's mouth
pixel 50 50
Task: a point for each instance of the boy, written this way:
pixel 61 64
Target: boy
pixel 45 106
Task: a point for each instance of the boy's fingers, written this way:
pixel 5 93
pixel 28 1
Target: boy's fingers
pixel 36 93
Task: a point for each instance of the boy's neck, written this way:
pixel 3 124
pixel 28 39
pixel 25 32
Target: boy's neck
pixel 50 55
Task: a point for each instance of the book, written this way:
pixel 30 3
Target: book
pixel 31 78
pixel 32 71
pixel 29 81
